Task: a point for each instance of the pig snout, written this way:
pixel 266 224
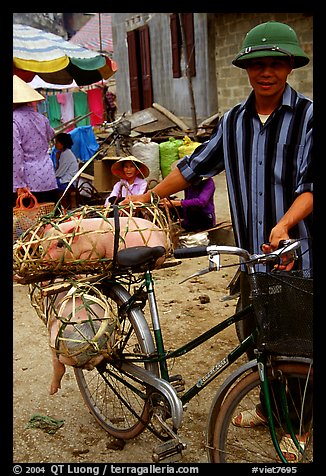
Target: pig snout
pixel 56 250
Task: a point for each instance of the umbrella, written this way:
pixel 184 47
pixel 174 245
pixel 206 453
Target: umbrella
pixel 38 82
pixel 96 34
pixel 56 60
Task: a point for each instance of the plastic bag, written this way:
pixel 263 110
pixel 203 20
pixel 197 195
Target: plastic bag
pixel 194 239
pixel 187 147
pixel 169 154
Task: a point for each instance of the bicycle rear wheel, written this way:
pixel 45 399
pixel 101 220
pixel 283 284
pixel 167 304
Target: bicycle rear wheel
pixel 120 403
pixel 233 444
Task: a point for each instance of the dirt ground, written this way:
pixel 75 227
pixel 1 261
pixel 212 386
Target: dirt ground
pixel 184 314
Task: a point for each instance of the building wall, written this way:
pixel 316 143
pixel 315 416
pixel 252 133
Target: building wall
pixel 50 22
pixel 172 93
pixel 232 82
pixel 218 85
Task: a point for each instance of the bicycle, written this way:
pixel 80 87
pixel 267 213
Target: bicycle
pixel 119 135
pixel 132 389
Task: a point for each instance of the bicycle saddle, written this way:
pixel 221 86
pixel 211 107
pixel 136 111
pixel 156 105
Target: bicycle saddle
pixel 139 255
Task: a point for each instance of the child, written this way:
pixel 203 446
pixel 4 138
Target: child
pixel 132 173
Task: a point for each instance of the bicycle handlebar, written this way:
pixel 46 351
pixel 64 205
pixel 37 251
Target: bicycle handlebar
pixel 286 246
pixel 193 252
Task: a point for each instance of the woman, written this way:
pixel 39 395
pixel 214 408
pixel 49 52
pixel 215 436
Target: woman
pixel 66 162
pixel 132 173
pixel 197 208
pixel 32 166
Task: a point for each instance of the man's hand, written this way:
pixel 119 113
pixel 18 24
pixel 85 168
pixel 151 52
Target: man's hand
pixel 287 261
pixel 144 198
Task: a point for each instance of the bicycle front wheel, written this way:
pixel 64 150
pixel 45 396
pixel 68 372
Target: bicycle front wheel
pixel 120 403
pixel 234 444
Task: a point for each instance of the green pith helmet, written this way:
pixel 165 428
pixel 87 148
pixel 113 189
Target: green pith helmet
pixel 271 39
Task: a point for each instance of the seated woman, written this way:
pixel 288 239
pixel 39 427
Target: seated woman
pixel 132 173
pixel 197 209
pixel 66 163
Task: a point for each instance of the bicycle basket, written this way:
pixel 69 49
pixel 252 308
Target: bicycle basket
pixel 284 313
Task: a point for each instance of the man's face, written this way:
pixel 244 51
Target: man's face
pixel 268 75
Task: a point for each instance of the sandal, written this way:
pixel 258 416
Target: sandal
pixel 289 449
pixel 249 419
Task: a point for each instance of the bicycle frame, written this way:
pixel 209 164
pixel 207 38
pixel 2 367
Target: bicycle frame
pixel 162 356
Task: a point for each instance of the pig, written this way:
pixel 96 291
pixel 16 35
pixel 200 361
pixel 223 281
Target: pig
pixel 94 238
pixel 73 350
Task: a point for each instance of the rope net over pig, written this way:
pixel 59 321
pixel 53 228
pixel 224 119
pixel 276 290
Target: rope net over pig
pixel 83 325
pixel 86 240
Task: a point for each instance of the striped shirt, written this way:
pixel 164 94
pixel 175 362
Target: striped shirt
pixel 267 166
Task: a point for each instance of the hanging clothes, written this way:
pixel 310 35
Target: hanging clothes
pixel 54 111
pixel 42 107
pixel 67 106
pixel 81 107
pixel 85 145
pixel 95 103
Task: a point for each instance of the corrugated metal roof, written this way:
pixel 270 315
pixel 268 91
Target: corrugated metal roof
pixel 96 34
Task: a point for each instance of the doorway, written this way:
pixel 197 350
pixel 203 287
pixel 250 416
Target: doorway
pixel 139 57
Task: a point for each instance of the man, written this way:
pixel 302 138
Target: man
pixel 265 146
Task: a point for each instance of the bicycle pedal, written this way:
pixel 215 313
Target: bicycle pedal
pixel 177 382
pixel 170 451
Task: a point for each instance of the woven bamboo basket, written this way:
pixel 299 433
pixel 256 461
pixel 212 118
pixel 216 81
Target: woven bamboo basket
pixel 31 256
pixel 80 321
pixel 24 217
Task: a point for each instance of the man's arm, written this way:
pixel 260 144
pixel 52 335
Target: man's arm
pixel 173 183
pixel 300 209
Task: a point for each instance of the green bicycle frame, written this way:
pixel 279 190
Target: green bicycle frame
pixel 162 356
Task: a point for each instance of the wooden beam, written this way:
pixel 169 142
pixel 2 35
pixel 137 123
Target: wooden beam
pixel 172 117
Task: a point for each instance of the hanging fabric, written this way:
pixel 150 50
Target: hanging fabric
pixel 67 107
pixel 95 103
pixel 54 111
pixel 81 107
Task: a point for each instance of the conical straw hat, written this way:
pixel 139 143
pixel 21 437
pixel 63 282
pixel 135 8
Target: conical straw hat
pixel 22 92
pixel 117 167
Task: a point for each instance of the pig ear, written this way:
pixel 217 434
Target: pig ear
pixel 71 230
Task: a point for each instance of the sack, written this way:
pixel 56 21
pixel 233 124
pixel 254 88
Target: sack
pixel 194 239
pixel 187 147
pixel 169 154
pixel 26 216
pixel 149 153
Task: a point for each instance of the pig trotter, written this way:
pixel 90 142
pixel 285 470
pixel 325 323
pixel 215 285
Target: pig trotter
pixel 58 372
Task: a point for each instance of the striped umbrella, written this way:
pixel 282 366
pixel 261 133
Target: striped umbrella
pixel 96 34
pixel 56 60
